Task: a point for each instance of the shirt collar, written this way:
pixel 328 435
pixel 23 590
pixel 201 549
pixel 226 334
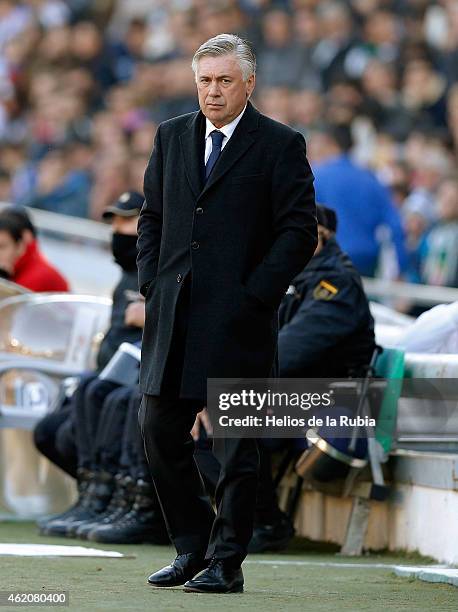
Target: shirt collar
pixel 227 129
pixel 30 253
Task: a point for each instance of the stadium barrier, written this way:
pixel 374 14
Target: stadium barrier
pixel 424 490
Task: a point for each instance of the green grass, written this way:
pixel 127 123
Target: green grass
pixel 120 584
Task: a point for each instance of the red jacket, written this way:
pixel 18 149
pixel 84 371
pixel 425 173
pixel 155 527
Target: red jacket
pixel 34 272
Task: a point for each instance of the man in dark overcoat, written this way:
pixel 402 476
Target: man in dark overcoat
pixel 228 221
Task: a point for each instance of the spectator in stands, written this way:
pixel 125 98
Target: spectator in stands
pixel 61 187
pixel 361 202
pixel 20 256
pixel 332 54
pixel 440 265
pixel 424 93
pixel 326 331
pixel 418 219
pixel 280 59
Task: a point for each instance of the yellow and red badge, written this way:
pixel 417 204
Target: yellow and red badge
pixel 324 291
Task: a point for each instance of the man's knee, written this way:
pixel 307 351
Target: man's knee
pixel 44 435
pixel 98 389
pixel 65 439
pixel 84 382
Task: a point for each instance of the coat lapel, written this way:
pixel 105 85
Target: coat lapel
pixel 240 141
pixel 193 147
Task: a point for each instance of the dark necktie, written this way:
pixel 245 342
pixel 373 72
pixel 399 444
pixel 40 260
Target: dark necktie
pixel 217 141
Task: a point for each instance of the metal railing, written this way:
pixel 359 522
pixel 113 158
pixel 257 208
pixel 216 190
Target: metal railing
pixel 68 227
pixel 425 295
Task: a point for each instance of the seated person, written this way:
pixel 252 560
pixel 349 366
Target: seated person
pixel 57 435
pixel 123 217
pixel 21 260
pixel 326 331
pixel 117 501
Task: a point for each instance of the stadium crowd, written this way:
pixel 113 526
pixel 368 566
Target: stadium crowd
pixel 83 86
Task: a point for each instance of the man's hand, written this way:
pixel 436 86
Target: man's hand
pixel 202 419
pixel 135 314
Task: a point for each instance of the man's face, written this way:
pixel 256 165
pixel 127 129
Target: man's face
pixel 10 251
pixel 124 225
pixel 221 89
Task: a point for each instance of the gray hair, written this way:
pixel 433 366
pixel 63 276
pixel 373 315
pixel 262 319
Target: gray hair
pixel 224 44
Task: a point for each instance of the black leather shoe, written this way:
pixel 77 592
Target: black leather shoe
pixel 272 537
pixel 221 576
pixel 183 568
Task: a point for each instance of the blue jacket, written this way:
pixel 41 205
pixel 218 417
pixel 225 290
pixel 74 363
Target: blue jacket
pixel 362 204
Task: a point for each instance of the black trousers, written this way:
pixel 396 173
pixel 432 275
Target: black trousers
pixel 54 437
pixel 59 436
pixel 89 403
pixel 166 421
pixel 133 458
pixel 67 436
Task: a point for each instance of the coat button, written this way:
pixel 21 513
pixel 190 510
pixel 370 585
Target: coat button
pixel 199 211
pixel 194 245
pixel 179 278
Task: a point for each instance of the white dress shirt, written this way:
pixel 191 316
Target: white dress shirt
pixel 227 130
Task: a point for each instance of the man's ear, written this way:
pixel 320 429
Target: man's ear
pixel 250 85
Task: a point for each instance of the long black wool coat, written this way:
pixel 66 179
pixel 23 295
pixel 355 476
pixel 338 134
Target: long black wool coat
pixel 243 236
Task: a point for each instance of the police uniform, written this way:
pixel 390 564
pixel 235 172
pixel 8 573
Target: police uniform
pixel 326 328
pixel 326 331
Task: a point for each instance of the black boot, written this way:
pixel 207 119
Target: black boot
pixel 272 537
pixel 100 493
pixel 53 525
pixel 120 504
pixel 95 499
pixel 143 523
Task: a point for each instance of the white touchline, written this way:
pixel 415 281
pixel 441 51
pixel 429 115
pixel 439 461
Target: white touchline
pixel 337 564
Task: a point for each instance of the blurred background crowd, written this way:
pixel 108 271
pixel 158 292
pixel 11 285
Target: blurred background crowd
pixel 83 86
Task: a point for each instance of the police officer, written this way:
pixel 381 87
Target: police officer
pixel 326 331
